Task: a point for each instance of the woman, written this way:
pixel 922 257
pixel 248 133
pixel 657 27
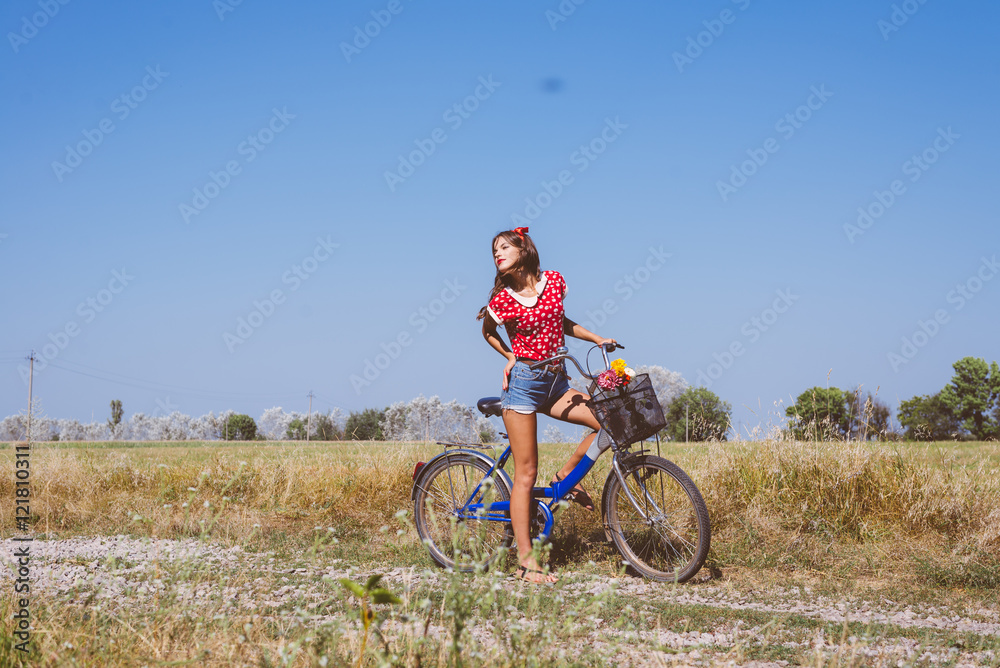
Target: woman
pixel 529 304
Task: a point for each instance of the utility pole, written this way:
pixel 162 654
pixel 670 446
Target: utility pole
pixel 309 415
pixel 686 409
pixel 31 375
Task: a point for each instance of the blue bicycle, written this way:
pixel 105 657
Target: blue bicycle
pixel 652 511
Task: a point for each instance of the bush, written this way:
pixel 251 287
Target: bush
pixel 821 414
pixel 365 426
pixel 239 427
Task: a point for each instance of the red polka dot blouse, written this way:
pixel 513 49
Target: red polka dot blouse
pixel 534 324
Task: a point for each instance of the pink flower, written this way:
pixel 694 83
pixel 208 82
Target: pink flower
pixel 607 380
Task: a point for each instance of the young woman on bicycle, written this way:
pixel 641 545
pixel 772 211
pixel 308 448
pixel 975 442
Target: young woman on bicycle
pixel 529 304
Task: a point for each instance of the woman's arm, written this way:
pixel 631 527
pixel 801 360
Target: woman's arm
pixel 575 330
pixel 492 338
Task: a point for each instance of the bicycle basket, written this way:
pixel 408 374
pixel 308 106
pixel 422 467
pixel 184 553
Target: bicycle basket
pixel 628 414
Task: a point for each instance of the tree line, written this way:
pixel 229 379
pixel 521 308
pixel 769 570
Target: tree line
pixel 968 407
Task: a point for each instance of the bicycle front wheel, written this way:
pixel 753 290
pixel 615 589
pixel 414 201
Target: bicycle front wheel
pixel 454 536
pixel 660 522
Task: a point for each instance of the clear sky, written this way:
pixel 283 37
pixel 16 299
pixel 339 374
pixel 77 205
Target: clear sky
pixel 210 205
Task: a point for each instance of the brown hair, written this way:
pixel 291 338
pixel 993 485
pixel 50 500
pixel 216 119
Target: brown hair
pixel 528 261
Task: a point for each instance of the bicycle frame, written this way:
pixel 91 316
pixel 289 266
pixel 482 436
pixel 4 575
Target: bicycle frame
pixel 499 511
pixel 495 511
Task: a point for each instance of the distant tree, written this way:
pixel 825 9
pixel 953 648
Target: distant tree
pixel 239 427
pixel 207 427
pixel 820 414
pixel 699 414
pixel 928 418
pixel 115 421
pixel 274 422
pixel 296 430
pixel 553 434
pixel 13 428
pixel 325 429
pixel 974 396
pixel 667 384
pixel 423 419
pixel 365 426
pixel 868 417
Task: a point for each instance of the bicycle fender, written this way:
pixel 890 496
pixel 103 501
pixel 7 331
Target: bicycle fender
pixel 451 453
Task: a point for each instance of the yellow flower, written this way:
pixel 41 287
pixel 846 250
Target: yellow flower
pixel 619 367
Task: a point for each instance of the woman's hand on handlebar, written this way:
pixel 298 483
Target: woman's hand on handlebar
pixel 506 371
pixel 605 342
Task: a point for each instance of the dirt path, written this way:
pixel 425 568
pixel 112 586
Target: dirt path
pixel 79 571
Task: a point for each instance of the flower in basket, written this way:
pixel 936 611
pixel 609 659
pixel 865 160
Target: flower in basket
pixel 608 380
pixel 623 371
pixel 619 375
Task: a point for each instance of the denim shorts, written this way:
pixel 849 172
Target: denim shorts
pixel 532 391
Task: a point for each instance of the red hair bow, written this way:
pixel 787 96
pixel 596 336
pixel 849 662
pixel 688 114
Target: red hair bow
pixel 521 231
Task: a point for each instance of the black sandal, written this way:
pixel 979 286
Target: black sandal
pixel 522 572
pixel 578 495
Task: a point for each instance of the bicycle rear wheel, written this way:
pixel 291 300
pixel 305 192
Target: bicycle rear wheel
pixel 663 530
pixel 455 537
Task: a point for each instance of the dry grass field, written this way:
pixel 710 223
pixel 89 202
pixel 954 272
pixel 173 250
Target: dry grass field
pixel 220 554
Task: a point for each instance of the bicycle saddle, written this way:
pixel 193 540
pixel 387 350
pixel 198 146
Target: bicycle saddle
pixel 489 406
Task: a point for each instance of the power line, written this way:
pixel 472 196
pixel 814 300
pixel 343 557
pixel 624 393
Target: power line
pixel 326 401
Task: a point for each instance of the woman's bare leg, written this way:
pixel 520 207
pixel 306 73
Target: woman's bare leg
pixel 572 407
pixel 522 431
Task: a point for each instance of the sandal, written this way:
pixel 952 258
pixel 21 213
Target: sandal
pixel 522 574
pixel 578 495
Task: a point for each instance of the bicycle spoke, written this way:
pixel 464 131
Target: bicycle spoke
pixel 457 536
pixel 661 529
pixel 654 517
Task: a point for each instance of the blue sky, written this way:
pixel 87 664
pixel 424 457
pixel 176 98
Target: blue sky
pixel 184 166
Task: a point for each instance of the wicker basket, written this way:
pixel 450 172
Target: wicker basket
pixel 629 414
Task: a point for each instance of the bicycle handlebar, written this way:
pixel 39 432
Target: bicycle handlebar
pixel 562 353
